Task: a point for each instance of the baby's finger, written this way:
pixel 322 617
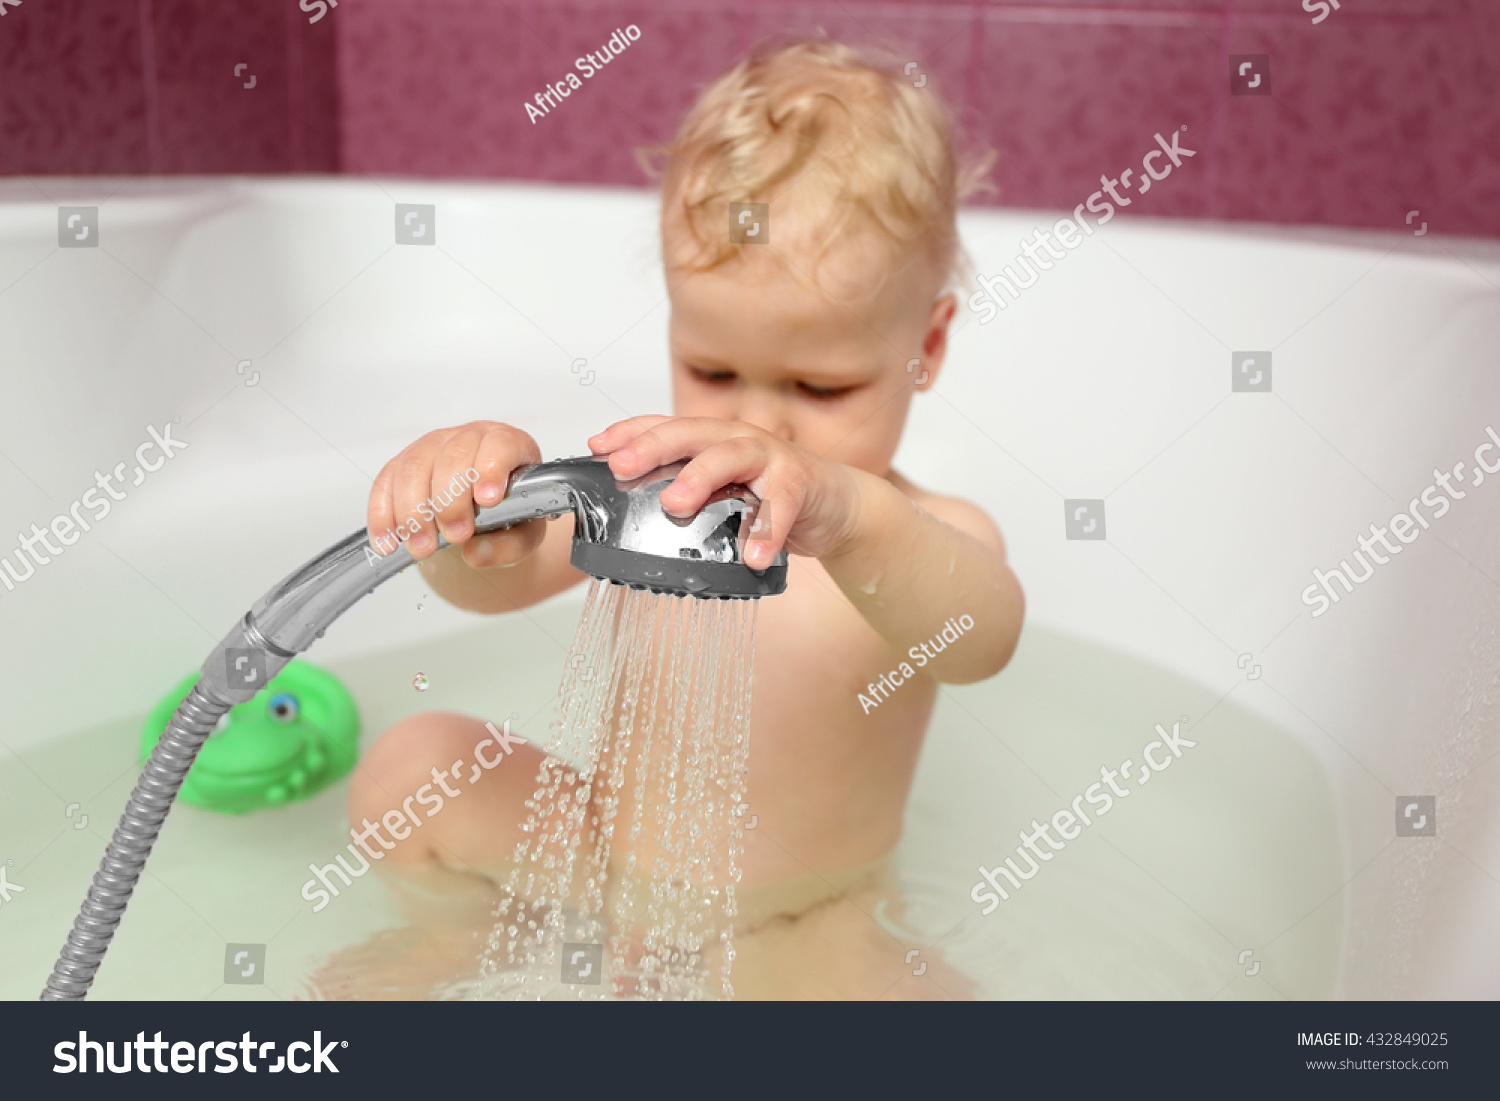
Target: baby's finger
pixel 740 459
pixel 413 486
pixel 451 497
pixel 782 496
pixel 504 548
pixel 622 432
pixel 500 452
pixel 380 512
pixel 671 439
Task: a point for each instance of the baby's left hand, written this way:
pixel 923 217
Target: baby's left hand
pixel 809 504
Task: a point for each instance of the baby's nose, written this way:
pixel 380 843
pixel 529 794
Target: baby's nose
pixel 778 427
pixel 770 415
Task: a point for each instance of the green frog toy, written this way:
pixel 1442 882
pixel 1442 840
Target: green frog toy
pixel 300 734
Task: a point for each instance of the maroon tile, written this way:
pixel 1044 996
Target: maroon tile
pixel 1386 106
pixel 1368 120
pixel 209 121
pixel 443 91
pixel 312 68
pixel 72 98
pixel 1065 103
pixel 440 90
pixel 1041 10
pixel 1470 207
pixel 640 98
pixel 1298 12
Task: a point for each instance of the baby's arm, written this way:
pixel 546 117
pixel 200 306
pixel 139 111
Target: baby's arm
pixel 908 567
pixel 498 572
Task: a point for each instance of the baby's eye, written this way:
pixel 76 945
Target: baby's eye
pixel 824 393
pixel 711 376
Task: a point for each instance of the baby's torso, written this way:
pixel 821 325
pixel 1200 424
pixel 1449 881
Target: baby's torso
pixel 829 771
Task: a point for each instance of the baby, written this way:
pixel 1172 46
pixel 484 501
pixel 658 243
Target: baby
pixel 794 358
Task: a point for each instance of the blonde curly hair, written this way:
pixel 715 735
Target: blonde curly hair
pixel 845 130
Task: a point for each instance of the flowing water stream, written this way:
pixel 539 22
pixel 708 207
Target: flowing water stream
pixel 624 883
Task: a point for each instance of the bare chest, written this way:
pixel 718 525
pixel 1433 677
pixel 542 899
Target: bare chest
pixel 814 657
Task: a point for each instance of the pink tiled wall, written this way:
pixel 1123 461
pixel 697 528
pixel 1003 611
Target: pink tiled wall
pixel 1384 107
pixel 149 86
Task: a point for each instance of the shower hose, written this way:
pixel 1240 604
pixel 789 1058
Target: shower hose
pixel 282 624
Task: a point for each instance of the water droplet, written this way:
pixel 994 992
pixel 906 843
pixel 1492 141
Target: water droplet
pixel 694 584
pixel 419 682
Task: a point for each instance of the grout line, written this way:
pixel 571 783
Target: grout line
pixel 149 86
pixel 296 93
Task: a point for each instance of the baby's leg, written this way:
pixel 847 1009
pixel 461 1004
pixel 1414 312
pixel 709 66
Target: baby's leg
pixel 426 772
pixel 447 872
pixel 462 795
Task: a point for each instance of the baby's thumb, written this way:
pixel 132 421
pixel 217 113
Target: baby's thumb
pixel 504 548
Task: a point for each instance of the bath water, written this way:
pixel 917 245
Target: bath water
pixel 624 883
pixel 1241 850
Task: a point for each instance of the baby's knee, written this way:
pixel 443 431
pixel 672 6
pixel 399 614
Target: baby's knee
pixel 408 758
pixel 410 749
pixel 446 789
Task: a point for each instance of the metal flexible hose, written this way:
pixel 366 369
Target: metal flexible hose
pixel 134 837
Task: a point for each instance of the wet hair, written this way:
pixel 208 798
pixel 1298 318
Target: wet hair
pixel 838 133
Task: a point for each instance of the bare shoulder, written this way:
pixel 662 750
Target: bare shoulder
pixel 966 516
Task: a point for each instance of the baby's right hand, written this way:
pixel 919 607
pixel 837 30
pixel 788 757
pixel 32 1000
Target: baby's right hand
pixel 432 487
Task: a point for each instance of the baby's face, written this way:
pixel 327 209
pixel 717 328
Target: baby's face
pixel 822 364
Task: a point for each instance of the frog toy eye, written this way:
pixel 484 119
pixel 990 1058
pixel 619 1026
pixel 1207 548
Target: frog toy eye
pixel 283 708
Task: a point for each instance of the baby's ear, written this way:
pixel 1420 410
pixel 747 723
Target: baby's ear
pixel 941 315
pixel 935 340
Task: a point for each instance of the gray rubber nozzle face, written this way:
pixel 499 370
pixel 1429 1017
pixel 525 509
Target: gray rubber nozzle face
pixel 623 534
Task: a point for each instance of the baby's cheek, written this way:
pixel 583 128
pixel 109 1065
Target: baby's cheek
pixel 868 444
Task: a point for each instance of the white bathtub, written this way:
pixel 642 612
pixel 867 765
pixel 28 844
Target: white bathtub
pixel 1110 378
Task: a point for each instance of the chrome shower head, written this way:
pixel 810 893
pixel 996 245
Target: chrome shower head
pixel 623 534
